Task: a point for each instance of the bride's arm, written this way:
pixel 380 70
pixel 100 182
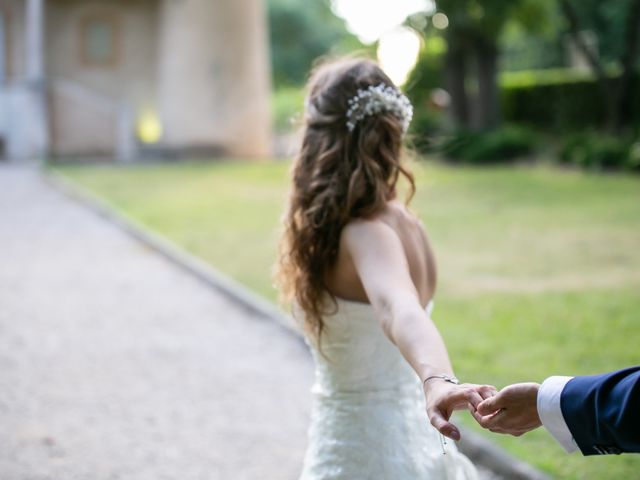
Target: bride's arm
pixel 379 258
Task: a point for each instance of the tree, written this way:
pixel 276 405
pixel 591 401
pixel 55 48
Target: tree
pixel 473 49
pixel 299 33
pixel 617 25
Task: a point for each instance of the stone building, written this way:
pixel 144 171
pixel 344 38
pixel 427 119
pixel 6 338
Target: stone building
pixel 112 78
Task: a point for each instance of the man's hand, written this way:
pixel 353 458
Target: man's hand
pixel 514 410
pixel 443 398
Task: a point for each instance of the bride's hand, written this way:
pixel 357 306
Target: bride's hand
pixel 443 398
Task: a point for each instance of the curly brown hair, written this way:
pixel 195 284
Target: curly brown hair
pixel 338 175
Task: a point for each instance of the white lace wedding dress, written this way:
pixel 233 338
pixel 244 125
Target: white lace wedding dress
pixel 368 417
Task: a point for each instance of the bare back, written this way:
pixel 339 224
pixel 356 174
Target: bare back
pixel 343 280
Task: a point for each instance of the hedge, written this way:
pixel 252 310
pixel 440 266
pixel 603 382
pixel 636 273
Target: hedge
pixel 597 151
pixel 557 99
pixel 505 144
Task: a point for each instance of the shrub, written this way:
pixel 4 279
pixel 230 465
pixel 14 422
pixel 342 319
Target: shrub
pixel 497 146
pixel 559 99
pixel 633 161
pixel 426 125
pixel 596 151
pixel 287 106
pixel 427 75
pixel 555 99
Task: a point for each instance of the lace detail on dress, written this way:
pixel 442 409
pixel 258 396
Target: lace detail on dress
pixel 368 417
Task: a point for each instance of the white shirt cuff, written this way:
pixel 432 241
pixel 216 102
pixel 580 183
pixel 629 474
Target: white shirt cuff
pixel 550 412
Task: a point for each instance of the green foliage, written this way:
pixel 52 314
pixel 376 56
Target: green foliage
pixel 550 76
pixel 523 50
pixel 487 18
pixel 531 39
pixel 596 151
pixel 426 125
pixel 287 106
pixel 607 19
pixel 633 160
pixel 426 76
pixel 504 144
pixel 428 73
pixel 558 99
pixel 299 33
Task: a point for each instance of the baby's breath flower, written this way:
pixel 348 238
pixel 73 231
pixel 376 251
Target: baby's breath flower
pixel 377 99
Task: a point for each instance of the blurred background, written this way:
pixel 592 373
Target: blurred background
pixel 184 115
pixel 491 81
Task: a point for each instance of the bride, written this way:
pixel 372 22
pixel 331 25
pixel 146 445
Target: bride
pixel 361 273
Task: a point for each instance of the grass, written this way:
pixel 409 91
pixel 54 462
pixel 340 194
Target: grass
pixel 539 267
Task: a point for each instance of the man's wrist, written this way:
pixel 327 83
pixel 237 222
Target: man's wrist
pixel 534 391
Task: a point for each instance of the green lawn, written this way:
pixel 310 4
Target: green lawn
pixel 539 267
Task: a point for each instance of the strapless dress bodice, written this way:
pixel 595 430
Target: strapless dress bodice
pixel 356 356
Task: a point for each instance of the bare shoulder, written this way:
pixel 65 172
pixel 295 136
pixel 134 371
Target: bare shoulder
pixel 365 230
pixel 402 211
pixel 393 221
pixel 401 219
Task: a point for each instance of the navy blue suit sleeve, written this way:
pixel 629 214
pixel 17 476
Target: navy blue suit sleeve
pixel 603 411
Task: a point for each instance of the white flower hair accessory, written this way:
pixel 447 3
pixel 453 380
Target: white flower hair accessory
pixel 377 99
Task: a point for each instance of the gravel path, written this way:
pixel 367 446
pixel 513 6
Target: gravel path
pixel 114 364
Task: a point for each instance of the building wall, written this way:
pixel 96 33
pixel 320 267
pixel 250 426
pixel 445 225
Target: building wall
pixel 13 11
pixel 132 76
pixel 81 123
pixel 81 89
pixel 214 75
pixel 202 65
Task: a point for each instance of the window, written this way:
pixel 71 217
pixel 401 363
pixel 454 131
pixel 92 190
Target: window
pixel 98 41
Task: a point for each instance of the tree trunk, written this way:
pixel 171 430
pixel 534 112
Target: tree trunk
pixel 455 76
pixel 488 101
